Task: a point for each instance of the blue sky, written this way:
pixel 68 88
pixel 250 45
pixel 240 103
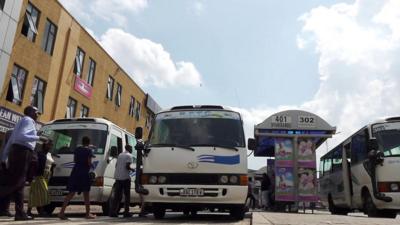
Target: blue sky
pixel 338 59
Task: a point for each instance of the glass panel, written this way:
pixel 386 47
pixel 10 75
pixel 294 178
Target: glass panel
pixel 66 140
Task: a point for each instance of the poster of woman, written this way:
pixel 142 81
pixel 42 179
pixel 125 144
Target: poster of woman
pixel 307 184
pixel 306 152
pixel 284 185
pixel 283 152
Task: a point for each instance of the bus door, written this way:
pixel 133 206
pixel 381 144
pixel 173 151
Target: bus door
pixel 115 144
pixel 338 191
pixel 348 187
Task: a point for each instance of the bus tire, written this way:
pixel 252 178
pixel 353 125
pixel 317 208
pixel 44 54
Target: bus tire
pixel 237 213
pixel 335 210
pixel 159 213
pixel 369 206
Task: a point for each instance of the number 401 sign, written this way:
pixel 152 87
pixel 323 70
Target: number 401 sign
pixel 306 121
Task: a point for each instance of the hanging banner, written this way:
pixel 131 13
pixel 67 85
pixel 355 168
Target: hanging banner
pixel 284 184
pixel 307 189
pixel 306 153
pixel 283 152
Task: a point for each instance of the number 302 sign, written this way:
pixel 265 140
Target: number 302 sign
pixel 306 121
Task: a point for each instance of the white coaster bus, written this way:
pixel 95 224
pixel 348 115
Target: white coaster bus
pixel 196 159
pixel 108 141
pixel 362 173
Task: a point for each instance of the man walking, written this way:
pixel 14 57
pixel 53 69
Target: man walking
pixel 18 151
pixel 122 183
pixel 265 189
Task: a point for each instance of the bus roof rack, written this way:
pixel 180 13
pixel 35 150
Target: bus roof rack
pixel 197 107
pixel 75 119
pixel 393 119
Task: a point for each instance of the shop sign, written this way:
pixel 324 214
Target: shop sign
pixel 9 118
pixel 82 87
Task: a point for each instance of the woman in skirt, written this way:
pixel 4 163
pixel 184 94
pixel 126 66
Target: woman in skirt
pixel 80 180
pixel 39 192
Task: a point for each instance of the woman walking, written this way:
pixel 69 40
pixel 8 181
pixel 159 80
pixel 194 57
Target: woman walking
pixel 79 180
pixel 39 192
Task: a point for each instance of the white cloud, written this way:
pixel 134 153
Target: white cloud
pixel 197 7
pixel 359 65
pixel 115 11
pixel 148 62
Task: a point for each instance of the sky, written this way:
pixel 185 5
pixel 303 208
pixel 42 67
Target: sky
pixel 337 59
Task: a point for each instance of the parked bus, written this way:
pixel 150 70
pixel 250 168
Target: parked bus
pixel 108 141
pixel 195 160
pixel 362 172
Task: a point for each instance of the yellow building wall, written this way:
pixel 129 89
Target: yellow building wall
pixel 57 71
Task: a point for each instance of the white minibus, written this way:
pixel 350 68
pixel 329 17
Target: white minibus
pixel 196 160
pixel 362 172
pixel 108 141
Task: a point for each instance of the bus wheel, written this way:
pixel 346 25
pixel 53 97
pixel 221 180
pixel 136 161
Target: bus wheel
pixel 369 206
pixel 237 212
pixel 159 213
pixel 335 210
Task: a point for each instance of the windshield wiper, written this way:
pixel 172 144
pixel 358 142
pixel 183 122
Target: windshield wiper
pixel 173 146
pixel 218 146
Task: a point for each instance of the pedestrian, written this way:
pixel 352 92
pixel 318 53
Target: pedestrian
pixel 4 202
pixel 122 183
pixel 18 154
pixel 265 188
pixel 251 200
pixel 140 152
pixel 39 192
pixel 79 180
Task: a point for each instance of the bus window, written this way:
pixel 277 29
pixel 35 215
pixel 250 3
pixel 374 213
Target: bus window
pixel 359 147
pixel 130 140
pixel 337 159
pixel 116 141
pixel 327 163
pixel 321 168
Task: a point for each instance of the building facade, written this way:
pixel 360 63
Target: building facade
pixel 57 66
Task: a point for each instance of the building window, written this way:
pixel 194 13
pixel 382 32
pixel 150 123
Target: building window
pixel 71 108
pixel 49 37
pixel 2 2
pixel 38 91
pixel 16 85
pixel 110 87
pixel 80 56
pixel 92 70
pixel 132 107
pixel 118 95
pixel 84 111
pixel 31 20
pixel 137 111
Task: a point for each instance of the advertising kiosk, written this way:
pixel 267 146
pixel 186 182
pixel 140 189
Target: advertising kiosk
pixel 291 139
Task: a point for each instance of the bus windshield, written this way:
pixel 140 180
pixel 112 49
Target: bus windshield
pixel 389 139
pixel 66 140
pixel 206 130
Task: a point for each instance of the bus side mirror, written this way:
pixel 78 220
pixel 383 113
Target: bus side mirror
pixel 251 144
pixel 138 133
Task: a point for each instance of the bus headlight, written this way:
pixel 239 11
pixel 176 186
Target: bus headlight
pixel 153 179
pixel 394 187
pixel 233 179
pixel 223 179
pixel 162 179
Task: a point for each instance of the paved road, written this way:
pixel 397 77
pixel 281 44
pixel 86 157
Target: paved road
pixel 254 218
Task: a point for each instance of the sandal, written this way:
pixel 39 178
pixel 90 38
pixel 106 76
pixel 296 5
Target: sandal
pixel 90 216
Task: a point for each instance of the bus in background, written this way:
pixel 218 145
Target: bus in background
pixel 195 160
pixel 107 140
pixel 362 172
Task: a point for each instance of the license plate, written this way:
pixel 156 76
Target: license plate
pixel 191 192
pixel 56 192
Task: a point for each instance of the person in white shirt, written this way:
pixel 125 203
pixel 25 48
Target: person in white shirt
pixel 122 183
pixel 18 154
